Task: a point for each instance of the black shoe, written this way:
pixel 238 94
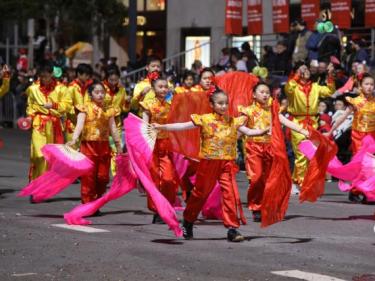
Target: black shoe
pixel 98 213
pixel 31 200
pixel 157 219
pixel 187 230
pixel 234 235
pixel 357 198
pixel 257 216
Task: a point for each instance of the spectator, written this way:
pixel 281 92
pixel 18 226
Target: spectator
pixel 239 62
pixel 268 58
pixel 249 57
pixel 300 52
pixel 312 43
pixel 282 65
pixel 224 60
pixel 360 53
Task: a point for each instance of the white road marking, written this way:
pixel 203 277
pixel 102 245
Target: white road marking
pixel 82 228
pixel 23 274
pixel 306 275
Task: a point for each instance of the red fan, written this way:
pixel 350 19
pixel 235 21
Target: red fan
pixel 24 123
pixel 65 166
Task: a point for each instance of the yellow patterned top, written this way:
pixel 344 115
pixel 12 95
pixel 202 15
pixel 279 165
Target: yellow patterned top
pixel 364 113
pixel 158 111
pixel 96 126
pixel 218 135
pixel 4 88
pixel 118 101
pixel 259 117
pixel 303 99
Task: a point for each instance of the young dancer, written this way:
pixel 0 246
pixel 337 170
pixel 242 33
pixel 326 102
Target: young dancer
pixel 47 102
pixel 303 98
pixel 217 163
pixel 95 121
pixel 363 108
pixel 259 150
pixel 187 85
pixel 163 173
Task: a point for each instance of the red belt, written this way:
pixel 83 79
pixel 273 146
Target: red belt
pixel 56 123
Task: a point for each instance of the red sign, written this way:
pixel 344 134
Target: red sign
pixel 310 12
pixel 341 13
pixel 233 17
pixel 254 17
pixel 280 15
pixel 370 13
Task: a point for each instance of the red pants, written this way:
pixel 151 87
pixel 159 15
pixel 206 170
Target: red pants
pixel 163 173
pixel 208 172
pixel 258 166
pixel 357 138
pixel 94 184
pixel 186 184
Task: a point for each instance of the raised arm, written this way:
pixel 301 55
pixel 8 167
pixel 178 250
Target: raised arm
pixel 146 117
pixel 175 126
pixel 286 122
pixel 114 134
pixel 81 117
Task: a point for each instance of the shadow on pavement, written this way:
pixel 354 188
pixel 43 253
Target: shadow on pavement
pixel 167 241
pixel 359 217
pixel 5 191
pixel 61 199
pixel 135 212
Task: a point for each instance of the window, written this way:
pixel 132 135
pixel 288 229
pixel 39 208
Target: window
pixel 155 5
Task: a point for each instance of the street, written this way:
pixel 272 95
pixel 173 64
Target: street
pixel 332 239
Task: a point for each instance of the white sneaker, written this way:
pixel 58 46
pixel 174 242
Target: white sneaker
pixel 295 189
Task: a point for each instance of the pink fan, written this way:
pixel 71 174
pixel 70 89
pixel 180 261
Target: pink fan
pixel 123 183
pixel 140 139
pixel 140 135
pixel 65 165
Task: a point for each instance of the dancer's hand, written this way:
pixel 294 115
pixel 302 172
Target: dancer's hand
pixel 327 134
pixel 305 133
pixel 157 126
pixel 71 143
pixel 265 131
pixel 48 105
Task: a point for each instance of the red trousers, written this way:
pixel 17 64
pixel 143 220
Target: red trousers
pixel 94 184
pixel 208 172
pixel 186 184
pixel 258 167
pixel 163 172
pixel 357 138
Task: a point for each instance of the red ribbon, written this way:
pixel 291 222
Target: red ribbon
pixel 153 76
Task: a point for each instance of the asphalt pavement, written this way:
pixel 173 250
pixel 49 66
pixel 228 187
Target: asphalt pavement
pixel 332 239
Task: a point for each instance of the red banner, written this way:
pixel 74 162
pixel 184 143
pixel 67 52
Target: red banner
pixel 341 13
pixel 254 17
pixel 280 15
pixel 370 13
pixel 310 12
pixel 233 17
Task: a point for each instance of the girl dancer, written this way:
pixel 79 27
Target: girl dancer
pixel 95 121
pixel 217 163
pixel 155 110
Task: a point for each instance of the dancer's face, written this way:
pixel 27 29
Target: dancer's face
pixel 113 79
pixel 367 86
pixel 153 66
pixel 206 80
pixel 161 89
pixel 262 94
pixel 189 81
pixel 98 94
pixel 220 103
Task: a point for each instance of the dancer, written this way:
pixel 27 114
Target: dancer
pixel 162 169
pixel 96 122
pixel 259 150
pixel 47 102
pixel 77 92
pixel 188 83
pixel 303 98
pixel 217 163
pixel 5 80
pixel 143 90
pixel 363 108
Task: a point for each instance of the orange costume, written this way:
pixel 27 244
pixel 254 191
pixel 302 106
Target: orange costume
pixel 303 99
pixel 217 163
pixel 95 146
pixel 259 155
pixel 162 169
pixel 364 119
pixel 46 123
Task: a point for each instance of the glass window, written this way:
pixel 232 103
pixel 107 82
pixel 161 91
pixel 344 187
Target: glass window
pixel 140 4
pixel 155 5
pixel 197 48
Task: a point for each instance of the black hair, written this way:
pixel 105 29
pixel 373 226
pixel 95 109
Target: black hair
pixel 47 66
pixel 84 68
pixel 112 70
pixel 206 69
pixel 298 64
pixel 91 88
pixel 161 77
pixel 217 92
pixel 261 83
pixel 187 74
pixel 366 75
pixel 151 59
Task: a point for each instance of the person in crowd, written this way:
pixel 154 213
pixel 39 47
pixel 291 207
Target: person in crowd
pixel 300 52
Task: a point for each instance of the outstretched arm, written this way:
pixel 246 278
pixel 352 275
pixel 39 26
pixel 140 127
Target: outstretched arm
pixel 286 122
pixel 175 126
pixel 78 129
pixel 252 132
pixel 114 134
pixel 340 120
